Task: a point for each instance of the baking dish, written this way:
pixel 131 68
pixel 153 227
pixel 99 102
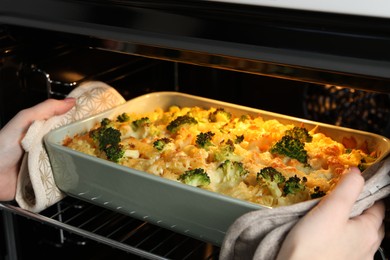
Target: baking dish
pixel 185 209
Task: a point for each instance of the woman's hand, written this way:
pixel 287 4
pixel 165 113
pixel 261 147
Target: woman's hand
pixel 11 151
pixel 327 232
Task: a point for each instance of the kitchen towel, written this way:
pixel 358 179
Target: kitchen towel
pixel 36 189
pixel 260 234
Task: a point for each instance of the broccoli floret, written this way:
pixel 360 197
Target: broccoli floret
pixel 196 177
pixel 114 152
pixel 203 140
pixel 110 136
pixel 220 115
pixel 225 151
pixel 366 161
pixel 233 171
pixel 292 144
pixel 300 133
pixel 362 166
pixel 294 184
pixel 124 117
pixel 243 118
pixel 107 139
pixel 142 122
pixel 290 147
pixel 174 125
pixel 96 134
pixel 272 179
pixel 105 122
pixel 105 135
pixel 239 139
pixel 270 174
pixel 317 193
pixel 276 182
pixel 160 143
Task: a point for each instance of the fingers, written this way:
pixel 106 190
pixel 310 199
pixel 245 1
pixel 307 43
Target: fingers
pixel 41 111
pixel 340 200
pixel 49 108
pixel 372 219
pixel 15 129
pixel 53 107
pixel 370 227
pixel 375 214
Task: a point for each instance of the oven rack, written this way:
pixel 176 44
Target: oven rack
pixel 114 229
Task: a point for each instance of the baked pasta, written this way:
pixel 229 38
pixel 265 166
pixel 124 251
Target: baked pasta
pixel 245 157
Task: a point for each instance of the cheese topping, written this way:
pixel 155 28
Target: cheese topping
pixel 244 157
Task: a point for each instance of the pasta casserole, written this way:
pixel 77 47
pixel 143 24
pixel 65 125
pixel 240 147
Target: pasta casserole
pixel 242 156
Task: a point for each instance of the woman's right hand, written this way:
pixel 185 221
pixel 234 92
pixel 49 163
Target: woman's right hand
pixel 327 231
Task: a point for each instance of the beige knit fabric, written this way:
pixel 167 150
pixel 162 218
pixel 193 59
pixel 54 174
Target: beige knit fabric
pixel 36 189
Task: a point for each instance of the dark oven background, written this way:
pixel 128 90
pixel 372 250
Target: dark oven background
pixel 37 64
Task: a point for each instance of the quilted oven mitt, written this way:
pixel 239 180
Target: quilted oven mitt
pixel 260 234
pixel 36 189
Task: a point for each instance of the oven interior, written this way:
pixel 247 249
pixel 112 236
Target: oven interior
pixel 38 64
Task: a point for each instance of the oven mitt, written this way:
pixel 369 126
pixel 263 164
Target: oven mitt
pixel 36 189
pixel 260 234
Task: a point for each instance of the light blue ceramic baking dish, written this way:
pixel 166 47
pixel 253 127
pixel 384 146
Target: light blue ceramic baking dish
pixel 185 209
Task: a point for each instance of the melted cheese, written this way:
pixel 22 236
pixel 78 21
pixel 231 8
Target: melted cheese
pixel 326 157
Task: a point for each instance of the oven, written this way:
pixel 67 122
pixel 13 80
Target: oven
pixel 321 62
